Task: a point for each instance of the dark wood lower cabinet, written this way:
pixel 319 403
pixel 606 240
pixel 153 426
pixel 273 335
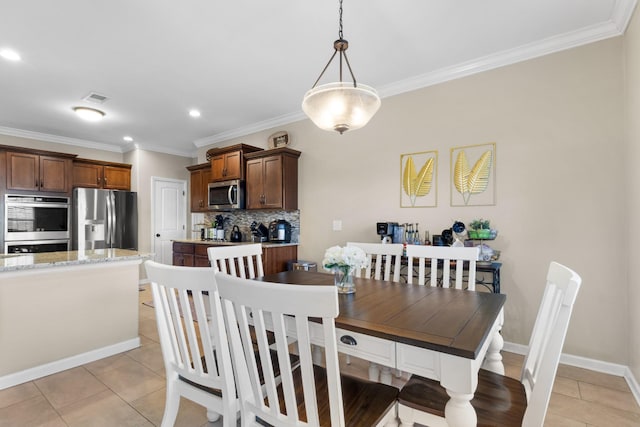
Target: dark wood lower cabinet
pixel 202 258
pixel 183 254
pixel 274 258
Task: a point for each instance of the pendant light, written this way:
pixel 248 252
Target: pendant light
pixel 340 106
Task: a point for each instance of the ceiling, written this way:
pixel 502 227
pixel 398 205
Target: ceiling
pixel 246 64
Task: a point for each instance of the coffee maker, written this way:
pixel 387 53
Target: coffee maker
pixel 385 231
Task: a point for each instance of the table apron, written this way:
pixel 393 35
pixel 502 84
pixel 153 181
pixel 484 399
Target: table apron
pixel 453 372
pixel 373 349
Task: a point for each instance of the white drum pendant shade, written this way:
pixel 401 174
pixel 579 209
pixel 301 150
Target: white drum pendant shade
pixel 340 106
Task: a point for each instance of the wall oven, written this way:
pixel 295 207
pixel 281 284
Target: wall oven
pixel 36 223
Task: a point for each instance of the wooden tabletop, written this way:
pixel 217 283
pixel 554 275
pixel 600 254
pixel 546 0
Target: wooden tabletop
pixel 442 319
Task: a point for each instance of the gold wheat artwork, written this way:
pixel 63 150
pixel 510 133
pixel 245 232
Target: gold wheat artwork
pixel 471 181
pixel 417 184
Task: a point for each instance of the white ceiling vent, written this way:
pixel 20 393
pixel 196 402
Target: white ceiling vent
pixel 96 98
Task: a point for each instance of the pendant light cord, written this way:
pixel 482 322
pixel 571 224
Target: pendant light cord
pixel 340 21
pixel 340 45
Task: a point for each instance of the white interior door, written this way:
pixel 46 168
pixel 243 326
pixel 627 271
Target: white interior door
pixel 169 216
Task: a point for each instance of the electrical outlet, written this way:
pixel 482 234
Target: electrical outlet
pixel 337 225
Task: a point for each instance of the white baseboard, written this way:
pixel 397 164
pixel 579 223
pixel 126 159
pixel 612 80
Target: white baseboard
pixel 591 364
pixel 67 363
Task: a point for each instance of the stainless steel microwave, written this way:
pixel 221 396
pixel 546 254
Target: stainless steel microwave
pixel 226 195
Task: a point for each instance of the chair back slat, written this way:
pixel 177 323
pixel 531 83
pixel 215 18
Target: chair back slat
pixel 379 254
pixel 442 257
pixel 545 346
pixel 239 260
pixel 285 310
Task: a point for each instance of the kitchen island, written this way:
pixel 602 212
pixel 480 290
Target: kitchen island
pixel 59 310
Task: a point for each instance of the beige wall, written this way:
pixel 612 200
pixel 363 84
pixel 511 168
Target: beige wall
pixel 557 122
pixel 632 127
pixel 148 164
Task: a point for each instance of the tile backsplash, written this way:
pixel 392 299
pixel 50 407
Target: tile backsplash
pixel 244 218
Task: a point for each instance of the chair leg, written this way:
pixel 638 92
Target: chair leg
pixel 212 416
pixel 171 405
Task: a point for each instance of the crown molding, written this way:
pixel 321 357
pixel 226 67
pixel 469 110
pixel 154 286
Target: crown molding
pixel 523 53
pixel 253 128
pixel 39 136
pixel 21 133
pixel 164 150
pixel 622 13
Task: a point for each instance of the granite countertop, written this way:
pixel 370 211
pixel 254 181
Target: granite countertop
pixel 14 262
pixel 226 243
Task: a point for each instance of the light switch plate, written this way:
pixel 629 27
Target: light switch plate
pixel 337 225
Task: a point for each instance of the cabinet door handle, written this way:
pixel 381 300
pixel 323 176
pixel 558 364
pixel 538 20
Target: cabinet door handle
pixel 42 183
pixel 98 179
pixel 105 180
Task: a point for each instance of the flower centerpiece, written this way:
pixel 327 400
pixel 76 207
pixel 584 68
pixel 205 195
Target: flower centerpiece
pixel 343 261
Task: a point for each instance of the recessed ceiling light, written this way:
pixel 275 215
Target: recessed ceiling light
pixel 89 114
pixel 194 113
pixel 127 138
pixel 10 55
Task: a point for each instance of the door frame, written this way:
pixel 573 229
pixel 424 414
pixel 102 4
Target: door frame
pixel 154 181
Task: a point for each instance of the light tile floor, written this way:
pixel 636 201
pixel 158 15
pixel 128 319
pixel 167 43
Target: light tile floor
pixel 128 390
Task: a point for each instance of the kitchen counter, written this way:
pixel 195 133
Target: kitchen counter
pixel 193 253
pixel 59 310
pixel 13 262
pixel 227 243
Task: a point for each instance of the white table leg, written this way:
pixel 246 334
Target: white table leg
pixel 493 359
pixel 458 411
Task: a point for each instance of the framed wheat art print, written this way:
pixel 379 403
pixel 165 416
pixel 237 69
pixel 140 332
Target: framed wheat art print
pixel 473 175
pixel 418 179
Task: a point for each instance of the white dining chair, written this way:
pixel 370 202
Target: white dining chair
pixel 190 327
pixel 446 258
pixel 387 259
pixel 500 400
pixel 310 395
pixel 238 260
pixel 387 256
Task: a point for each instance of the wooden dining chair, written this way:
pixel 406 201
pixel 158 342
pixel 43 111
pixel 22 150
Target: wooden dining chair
pixel 309 395
pixel 500 400
pixel 190 327
pixel 237 260
pixel 448 259
pixel 387 256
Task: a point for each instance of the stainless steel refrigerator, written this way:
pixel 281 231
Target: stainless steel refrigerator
pixel 104 219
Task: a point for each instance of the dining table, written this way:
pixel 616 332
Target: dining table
pixel 439 333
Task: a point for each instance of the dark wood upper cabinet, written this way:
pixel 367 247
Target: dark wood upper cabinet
pixel 200 178
pixel 272 179
pixel 32 171
pixel 97 174
pixel 228 162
